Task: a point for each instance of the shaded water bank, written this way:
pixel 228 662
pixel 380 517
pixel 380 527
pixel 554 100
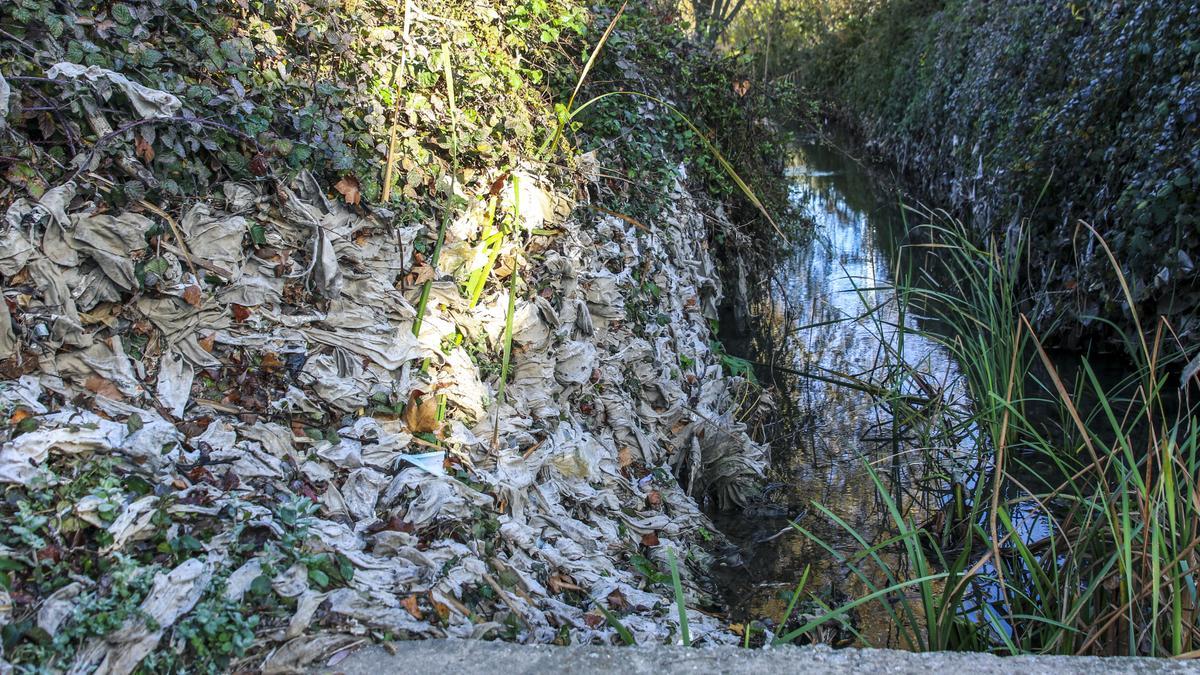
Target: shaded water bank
pixel 953 452
pixel 832 315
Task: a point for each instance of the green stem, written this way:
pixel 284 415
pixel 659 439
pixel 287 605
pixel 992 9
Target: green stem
pixel 449 210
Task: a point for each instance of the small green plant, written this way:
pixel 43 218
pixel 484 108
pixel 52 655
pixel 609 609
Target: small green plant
pixel 214 634
pixel 685 634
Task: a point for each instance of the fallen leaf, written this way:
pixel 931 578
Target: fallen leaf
pixel 654 499
pixel 20 415
pixel 240 312
pixel 143 149
pixel 562 582
pixel 410 604
pixel 259 166
pixel 650 539
pixel 442 609
pixel 103 387
pixel 206 343
pixel 51 552
pixel 191 295
pixel 421 416
pixel 200 474
pixel 421 274
pixel 624 457
pixel 617 601
pixel 349 188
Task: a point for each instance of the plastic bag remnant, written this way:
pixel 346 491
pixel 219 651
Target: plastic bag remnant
pixel 172 595
pixel 5 95
pixel 149 103
pixel 293 374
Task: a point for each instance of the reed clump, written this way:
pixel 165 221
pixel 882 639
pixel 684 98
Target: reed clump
pixel 1076 530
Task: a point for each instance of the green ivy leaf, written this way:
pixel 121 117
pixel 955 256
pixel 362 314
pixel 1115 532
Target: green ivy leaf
pixel 261 585
pixel 122 13
pixel 258 234
pixel 318 577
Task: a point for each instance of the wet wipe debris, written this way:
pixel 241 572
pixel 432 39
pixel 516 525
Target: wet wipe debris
pixel 222 431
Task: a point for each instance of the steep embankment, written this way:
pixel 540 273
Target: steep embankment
pixel 311 335
pixel 1051 111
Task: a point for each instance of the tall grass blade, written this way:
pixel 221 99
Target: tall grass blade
pixel 680 604
pixel 449 208
pixel 622 631
pixel 587 68
pixel 512 298
pixel 708 145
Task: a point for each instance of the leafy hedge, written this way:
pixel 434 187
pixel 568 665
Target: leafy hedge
pixel 270 87
pixel 279 85
pixel 1052 111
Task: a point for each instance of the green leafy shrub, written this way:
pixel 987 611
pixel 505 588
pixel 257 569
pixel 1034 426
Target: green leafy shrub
pixel 1054 112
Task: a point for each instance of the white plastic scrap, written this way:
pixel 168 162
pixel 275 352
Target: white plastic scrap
pixel 5 95
pixel 173 594
pixel 150 103
pixel 560 475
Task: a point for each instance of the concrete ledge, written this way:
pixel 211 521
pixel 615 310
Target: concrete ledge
pixel 500 658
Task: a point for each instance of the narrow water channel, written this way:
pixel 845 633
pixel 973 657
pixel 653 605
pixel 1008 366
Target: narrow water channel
pixel 835 300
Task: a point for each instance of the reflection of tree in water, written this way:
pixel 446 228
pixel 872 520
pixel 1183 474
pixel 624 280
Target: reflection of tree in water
pixel 831 313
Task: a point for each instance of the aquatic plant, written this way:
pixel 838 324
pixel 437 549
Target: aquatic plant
pixel 1076 533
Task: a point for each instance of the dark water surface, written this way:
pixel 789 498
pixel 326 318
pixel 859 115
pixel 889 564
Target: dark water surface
pixel 834 298
pixel 833 320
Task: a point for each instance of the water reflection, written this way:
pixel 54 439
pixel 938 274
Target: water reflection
pixel 835 294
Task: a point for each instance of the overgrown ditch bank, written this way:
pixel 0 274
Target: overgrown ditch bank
pixel 1026 117
pixel 317 330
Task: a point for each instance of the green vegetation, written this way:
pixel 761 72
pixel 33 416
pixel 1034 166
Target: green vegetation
pixel 1077 532
pixel 1047 110
pixel 409 115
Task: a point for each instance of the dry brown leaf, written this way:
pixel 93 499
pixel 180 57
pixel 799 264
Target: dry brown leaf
pixel 105 313
pixel 624 457
pixel 143 149
pixel 442 609
pixel 410 604
pixel 421 274
pixel 103 387
pixel 259 165
pixel 650 539
pixel 348 187
pixel 562 582
pixel 617 601
pixel 191 295
pixel 420 416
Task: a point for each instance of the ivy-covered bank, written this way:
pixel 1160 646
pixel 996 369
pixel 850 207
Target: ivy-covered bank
pixel 337 321
pixel 1050 112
